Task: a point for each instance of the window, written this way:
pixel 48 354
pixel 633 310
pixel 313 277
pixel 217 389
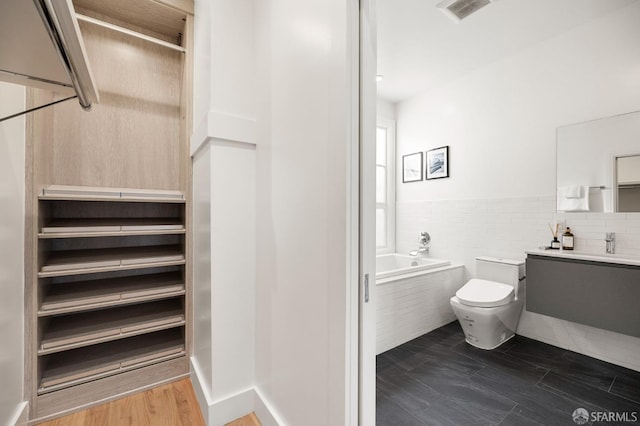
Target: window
pixel 385 186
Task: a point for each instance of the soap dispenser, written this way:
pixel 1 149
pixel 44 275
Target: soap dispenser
pixel 567 240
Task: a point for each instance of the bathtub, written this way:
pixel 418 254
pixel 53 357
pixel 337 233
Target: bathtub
pixel 389 265
pixel 412 297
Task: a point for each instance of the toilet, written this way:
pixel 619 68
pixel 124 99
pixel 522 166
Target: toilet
pixel 488 307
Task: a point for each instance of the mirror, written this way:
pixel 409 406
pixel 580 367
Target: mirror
pixel 598 165
pixel 628 180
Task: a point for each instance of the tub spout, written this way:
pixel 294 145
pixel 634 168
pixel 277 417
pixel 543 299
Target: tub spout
pixel 424 250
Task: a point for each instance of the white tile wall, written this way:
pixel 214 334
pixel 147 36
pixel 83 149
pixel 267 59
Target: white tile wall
pixel 506 227
pixel 463 229
pixel 591 227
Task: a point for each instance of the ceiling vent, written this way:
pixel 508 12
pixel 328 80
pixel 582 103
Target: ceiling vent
pixel 460 9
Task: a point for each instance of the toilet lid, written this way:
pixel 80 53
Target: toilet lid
pixel 485 294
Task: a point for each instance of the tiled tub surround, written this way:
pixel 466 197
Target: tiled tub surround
pixel 411 305
pixel 461 230
pixel 439 379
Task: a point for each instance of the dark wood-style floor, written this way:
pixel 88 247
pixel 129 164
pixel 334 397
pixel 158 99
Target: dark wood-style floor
pixel 439 379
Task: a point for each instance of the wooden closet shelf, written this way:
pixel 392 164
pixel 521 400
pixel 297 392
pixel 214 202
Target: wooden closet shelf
pixel 82 365
pixel 163 17
pixel 73 331
pixel 63 192
pixel 87 295
pixel 110 259
pixel 79 228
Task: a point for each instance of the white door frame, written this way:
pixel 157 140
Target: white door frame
pixel 352 411
pixel 360 345
pixel 367 206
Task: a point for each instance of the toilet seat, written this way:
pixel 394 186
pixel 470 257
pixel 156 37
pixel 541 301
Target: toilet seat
pixel 485 294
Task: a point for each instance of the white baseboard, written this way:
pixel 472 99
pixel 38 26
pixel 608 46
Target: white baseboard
pixel 204 400
pixel 265 411
pixel 225 410
pixel 231 408
pixel 20 415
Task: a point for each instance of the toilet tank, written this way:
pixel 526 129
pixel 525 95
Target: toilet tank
pixel 504 271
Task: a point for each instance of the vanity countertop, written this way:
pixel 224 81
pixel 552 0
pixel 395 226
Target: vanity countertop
pixel 605 258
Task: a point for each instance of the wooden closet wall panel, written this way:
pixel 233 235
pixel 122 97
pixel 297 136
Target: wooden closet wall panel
pixel 39 170
pixel 40 125
pixel 132 138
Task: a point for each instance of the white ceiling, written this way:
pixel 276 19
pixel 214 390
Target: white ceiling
pixel 420 48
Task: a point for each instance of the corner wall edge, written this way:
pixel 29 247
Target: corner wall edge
pixel 223 126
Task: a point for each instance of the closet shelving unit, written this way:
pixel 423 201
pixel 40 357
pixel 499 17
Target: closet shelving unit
pixel 111 282
pixel 107 265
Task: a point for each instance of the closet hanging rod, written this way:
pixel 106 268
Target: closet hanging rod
pixel 9 117
pixel 130 32
pixel 61 26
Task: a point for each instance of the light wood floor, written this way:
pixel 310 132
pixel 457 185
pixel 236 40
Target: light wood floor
pixel 248 420
pixel 174 404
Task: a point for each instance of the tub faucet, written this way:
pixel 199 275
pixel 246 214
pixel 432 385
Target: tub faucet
pixel 423 244
pixel 611 242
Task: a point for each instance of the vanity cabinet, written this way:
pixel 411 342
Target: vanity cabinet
pixel 599 294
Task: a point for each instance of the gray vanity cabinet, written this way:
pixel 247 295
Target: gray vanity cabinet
pixel 598 294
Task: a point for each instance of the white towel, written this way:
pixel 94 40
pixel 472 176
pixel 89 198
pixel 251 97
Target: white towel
pixel 572 191
pixel 569 203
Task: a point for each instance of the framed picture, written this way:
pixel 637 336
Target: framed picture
pixel 412 167
pixel 438 163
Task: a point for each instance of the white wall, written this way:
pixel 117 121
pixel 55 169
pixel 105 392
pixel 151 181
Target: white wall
pixel 501 120
pixel 12 187
pixel 224 277
pixel 223 149
pixel 301 207
pixel 201 61
pixel 386 110
pixel 202 358
pixel 224 60
pixel 233 71
pixel 233 267
pixel 500 123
